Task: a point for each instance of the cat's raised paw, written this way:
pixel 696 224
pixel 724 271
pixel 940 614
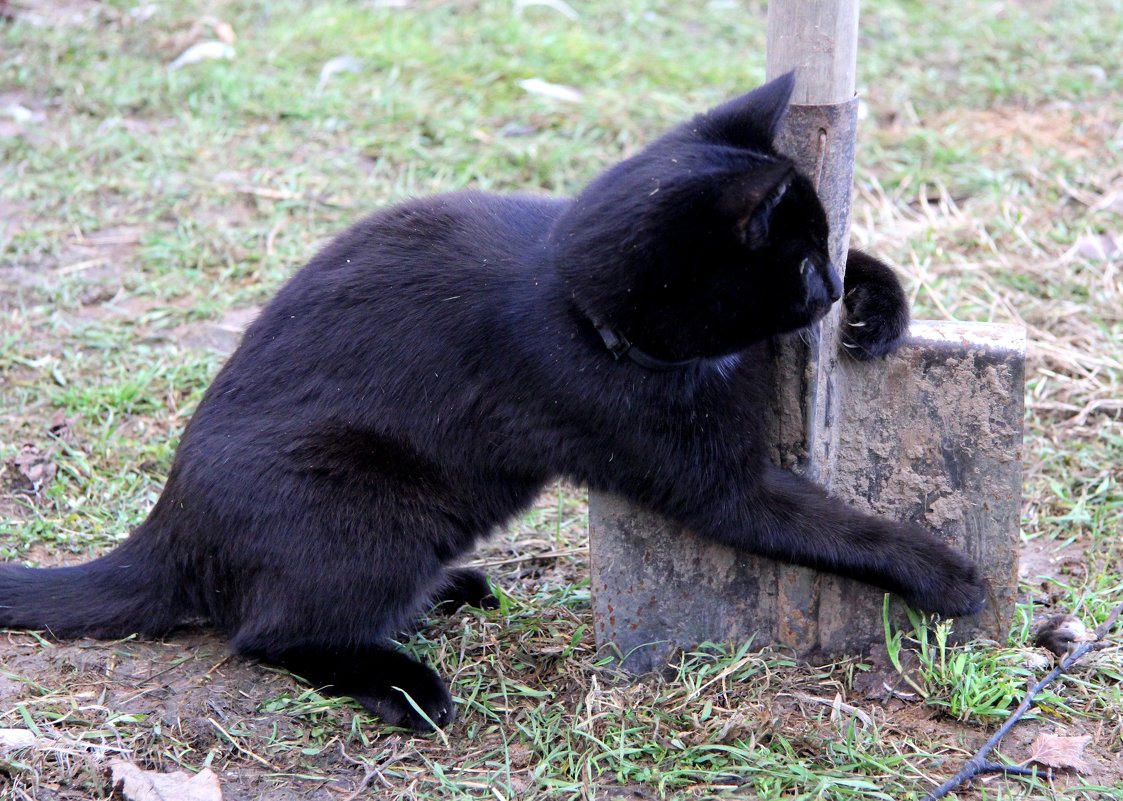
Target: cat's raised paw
pixel 877 314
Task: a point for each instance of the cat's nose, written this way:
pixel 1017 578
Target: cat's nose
pixel 833 282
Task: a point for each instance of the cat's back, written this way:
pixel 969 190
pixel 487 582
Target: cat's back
pixel 400 261
pixel 445 237
pixel 412 291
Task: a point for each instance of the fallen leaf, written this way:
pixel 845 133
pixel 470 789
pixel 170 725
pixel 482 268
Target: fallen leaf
pixel 219 335
pixel 1110 201
pixel 337 65
pixel 16 738
pixel 537 86
pixel 20 114
pixel 61 425
pixel 1056 751
pixel 1062 634
pixel 13 739
pixel 563 8
pixel 135 784
pixel 514 129
pixel 35 466
pixel 144 12
pixel 224 31
pixel 202 52
pixel 1099 247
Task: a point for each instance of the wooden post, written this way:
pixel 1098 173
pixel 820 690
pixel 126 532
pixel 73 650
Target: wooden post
pixel 818 40
pixel 933 435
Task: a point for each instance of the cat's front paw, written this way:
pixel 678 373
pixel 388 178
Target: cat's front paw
pixel 877 313
pixel 952 587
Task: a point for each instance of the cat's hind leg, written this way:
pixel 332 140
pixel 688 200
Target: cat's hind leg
pixel 328 608
pixel 464 586
pixel 381 678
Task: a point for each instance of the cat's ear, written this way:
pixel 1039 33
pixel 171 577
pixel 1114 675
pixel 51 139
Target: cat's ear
pixel 750 200
pixel 751 120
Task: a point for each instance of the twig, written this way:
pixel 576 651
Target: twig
pixel 979 764
pixel 528 558
pixel 281 194
pixel 241 747
pixel 369 772
pixel 835 704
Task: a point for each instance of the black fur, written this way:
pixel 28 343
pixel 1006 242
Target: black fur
pixel 877 313
pixel 418 383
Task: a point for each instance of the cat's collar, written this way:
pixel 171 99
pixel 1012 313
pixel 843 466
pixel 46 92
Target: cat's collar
pixel 619 346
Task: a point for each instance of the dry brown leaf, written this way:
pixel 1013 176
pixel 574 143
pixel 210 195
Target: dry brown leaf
pixel 61 425
pixel 225 32
pixel 150 785
pixel 35 466
pixel 1056 751
pixel 1099 247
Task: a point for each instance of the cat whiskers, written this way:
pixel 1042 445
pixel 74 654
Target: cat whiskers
pixel 726 364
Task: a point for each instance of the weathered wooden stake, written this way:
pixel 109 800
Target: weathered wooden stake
pixel 932 435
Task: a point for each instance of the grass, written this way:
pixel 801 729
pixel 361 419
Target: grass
pixel 141 208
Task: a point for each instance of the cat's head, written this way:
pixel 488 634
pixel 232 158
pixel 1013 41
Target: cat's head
pixel 706 241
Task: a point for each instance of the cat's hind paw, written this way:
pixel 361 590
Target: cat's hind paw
pixel 391 684
pixel 465 586
pixel 417 701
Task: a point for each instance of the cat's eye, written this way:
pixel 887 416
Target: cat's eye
pixel 776 195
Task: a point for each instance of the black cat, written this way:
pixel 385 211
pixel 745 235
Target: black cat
pixel 418 383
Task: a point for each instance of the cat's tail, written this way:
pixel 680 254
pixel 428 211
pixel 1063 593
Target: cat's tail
pixel 122 593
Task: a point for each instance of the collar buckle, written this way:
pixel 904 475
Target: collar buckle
pixel 619 346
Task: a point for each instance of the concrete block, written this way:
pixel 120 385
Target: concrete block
pixel 932 435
